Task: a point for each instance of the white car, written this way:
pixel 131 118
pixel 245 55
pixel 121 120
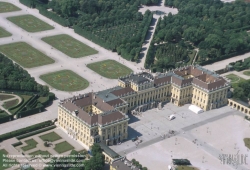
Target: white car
pixel 171 117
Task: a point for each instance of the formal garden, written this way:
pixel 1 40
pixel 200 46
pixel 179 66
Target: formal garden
pixel 5 97
pixel 25 55
pixel 6 165
pixel 65 80
pixel 69 46
pixel 52 136
pixel 30 144
pixel 4 33
pixel 234 79
pixel 110 69
pixel 30 23
pixel 63 147
pixel 247 72
pixel 8 7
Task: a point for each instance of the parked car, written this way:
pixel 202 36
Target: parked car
pixel 134 139
pixel 171 117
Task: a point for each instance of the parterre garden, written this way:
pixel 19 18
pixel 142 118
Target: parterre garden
pixel 69 46
pixel 5 97
pixel 30 23
pixel 7 165
pixel 25 55
pixel 234 79
pixel 31 144
pixel 247 72
pixel 52 136
pixel 63 147
pixel 65 80
pixel 110 69
pixel 4 33
pixel 10 103
pixel 8 7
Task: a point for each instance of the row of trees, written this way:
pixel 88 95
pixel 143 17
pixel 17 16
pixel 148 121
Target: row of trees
pixel 218 29
pixel 241 65
pixel 77 161
pixel 13 77
pixel 242 90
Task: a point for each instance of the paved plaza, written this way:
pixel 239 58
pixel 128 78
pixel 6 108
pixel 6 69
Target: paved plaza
pixel 215 132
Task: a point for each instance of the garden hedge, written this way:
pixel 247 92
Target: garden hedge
pixel 25 130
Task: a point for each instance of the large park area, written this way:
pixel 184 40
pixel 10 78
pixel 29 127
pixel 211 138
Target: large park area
pixel 70 46
pixel 110 69
pixel 30 23
pixel 7 7
pixel 65 80
pixel 25 55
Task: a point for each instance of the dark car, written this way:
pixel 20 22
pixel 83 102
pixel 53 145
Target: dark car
pixel 134 139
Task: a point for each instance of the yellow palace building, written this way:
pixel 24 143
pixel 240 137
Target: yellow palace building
pixel 102 116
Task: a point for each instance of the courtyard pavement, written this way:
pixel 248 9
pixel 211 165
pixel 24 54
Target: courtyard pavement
pixel 215 133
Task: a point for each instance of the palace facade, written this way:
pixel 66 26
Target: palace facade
pixel 102 116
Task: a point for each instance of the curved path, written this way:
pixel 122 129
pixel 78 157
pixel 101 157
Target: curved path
pixel 2 101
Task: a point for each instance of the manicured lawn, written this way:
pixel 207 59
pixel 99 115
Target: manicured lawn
pixel 8 7
pixel 25 99
pixel 5 97
pixel 3 32
pixel 234 79
pixel 65 80
pixel 30 23
pixel 31 143
pixel 63 147
pixel 247 142
pixel 69 46
pixel 6 165
pixel 247 73
pixel 110 69
pixel 52 136
pixel 44 154
pixel 186 168
pixel 3 113
pixel 25 55
pixel 10 104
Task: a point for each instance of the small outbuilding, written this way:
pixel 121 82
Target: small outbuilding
pixel 195 109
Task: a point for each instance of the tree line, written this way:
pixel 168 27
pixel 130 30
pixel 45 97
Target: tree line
pixel 13 77
pixel 218 29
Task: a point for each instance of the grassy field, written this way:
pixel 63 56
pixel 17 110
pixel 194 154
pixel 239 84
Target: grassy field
pixel 7 7
pixel 65 80
pixel 63 147
pixel 110 69
pixel 5 97
pixel 31 144
pixel 25 99
pixel 234 79
pixel 10 103
pixel 30 23
pixel 186 168
pixel 69 46
pixel 247 142
pixel 247 72
pixel 44 154
pixel 4 152
pixel 3 113
pixel 4 33
pixel 25 55
pixel 52 136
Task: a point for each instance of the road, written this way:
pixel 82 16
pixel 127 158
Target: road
pixel 151 30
